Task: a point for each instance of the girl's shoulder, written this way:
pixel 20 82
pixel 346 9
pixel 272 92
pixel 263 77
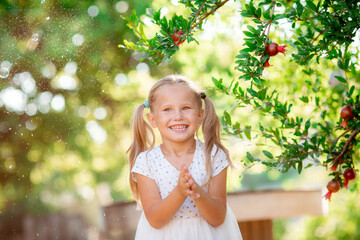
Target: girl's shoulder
pixel 150 153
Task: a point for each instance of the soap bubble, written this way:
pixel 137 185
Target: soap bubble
pixel 121 79
pixel 4 72
pixel 121 6
pixel 93 11
pixel 78 39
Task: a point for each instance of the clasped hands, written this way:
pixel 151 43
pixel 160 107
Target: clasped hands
pixel 187 184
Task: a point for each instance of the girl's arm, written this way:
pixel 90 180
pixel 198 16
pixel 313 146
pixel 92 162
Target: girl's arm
pixel 159 211
pixel 212 205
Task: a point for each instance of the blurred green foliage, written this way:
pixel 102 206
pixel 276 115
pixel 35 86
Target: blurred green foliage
pixel 66 97
pixel 52 157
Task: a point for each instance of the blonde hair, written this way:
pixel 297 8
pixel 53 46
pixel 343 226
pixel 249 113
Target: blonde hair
pixel 141 129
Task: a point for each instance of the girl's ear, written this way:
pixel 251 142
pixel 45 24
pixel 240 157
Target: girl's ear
pixel 201 116
pixel 151 120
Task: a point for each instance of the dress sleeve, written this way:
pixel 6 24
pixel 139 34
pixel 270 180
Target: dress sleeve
pixel 141 166
pixel 219 162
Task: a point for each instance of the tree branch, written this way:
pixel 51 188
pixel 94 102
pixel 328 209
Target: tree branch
pixel 320 33
pixel 337 139
pixel 197 14
pixel 208 14
pixel 346 145
pixel 272 13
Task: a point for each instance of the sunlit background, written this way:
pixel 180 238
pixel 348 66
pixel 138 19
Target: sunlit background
pixel 67 93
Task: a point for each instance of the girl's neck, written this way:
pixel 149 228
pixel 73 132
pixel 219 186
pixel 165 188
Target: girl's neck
pixel 178 149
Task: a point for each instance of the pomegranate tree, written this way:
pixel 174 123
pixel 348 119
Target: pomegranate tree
pixel 321 135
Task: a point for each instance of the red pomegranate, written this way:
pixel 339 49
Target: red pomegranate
pixel 332 186
pixel 349 174
pixel 177 37
pixel 346 112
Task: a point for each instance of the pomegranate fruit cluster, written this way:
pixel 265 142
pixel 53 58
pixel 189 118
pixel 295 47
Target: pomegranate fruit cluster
pixel 334 184
pixel 349 174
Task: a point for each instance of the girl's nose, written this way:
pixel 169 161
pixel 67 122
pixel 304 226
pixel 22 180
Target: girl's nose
pixel 178 114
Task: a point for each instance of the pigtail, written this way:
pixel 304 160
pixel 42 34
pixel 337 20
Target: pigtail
pixel 211 133
pixel 141 142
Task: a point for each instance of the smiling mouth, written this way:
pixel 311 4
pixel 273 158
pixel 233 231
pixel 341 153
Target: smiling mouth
pixel 179 128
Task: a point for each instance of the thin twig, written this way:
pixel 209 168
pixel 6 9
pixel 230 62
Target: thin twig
pixel 346 145
pixel 209 13
pixel 331 49
pixel 320 33
pixel 197 14
pixel 346 77
pixel 337 139
pixel 272 13
pixel 308 18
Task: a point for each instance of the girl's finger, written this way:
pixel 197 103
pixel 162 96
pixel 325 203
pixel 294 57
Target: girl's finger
pixel 182 170
pixel 195 196
pixel 190 183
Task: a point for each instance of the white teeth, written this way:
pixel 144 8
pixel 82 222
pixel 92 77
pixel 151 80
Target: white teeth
pixel 178 127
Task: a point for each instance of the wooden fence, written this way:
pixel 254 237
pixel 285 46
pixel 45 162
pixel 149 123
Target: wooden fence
pixel 54 227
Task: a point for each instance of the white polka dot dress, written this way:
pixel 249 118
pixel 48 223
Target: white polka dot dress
pixel 187 223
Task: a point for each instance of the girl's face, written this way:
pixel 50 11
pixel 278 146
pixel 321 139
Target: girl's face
pixel 175 113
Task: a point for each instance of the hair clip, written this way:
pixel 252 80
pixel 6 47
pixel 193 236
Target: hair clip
pixel 146 104
pixel 203 95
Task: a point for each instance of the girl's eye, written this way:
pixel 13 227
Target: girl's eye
pixel 167 109
pixel 186 108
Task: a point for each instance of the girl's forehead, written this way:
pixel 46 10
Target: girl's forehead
pixel 173 90
pixel 169 94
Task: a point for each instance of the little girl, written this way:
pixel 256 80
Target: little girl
pixel 181 183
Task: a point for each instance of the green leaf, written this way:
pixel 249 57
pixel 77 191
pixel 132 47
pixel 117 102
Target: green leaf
pixel 307 125
pixel 258 82
pixel 351 91
pixel 268 154
pixel 247 132
pixel 341 79
pixel 340 64
pixel 311 5
pixel 249 34
pixel 305 99
pixel 218 83
pixel 248 156
pixel 299 9
pixel 227 118
pixel 242 55
pixel 279 16
pixel 261 127
pixel 252 92
pixel 247 50
pixel 252 29
pixel 235 105
pixel 130 45
pixel 258 13
pixel 300 166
